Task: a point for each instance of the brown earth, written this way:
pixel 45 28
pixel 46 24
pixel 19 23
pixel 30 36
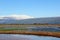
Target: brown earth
pixel 41 33
pixel 28 25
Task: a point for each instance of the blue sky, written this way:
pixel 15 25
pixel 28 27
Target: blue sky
pixel 35 8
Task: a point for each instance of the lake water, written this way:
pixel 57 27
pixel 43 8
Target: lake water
pixel 25 37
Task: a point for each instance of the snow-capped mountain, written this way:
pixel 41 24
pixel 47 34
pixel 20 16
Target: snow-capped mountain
pixel 13 18
pixel 16 17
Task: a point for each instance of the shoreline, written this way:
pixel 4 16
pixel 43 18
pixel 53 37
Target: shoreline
pixel 41 33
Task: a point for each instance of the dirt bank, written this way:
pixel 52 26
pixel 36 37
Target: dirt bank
pixel 53 34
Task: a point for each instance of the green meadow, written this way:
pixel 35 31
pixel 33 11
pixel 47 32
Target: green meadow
pixel 5 29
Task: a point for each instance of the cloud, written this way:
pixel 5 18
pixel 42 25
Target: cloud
pixel 18 17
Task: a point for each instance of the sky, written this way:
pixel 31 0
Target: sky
pixel 34 8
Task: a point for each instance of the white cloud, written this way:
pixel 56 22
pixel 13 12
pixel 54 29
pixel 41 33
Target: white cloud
pixel 18 17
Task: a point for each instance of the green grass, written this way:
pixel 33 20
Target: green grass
pixel 5 29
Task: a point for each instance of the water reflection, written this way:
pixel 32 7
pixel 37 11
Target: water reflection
pixel 25 37
pixel 49 29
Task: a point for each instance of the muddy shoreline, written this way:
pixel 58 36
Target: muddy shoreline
pixel 41 33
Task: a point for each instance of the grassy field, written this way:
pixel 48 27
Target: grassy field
pixel 10 29
pixel 29 25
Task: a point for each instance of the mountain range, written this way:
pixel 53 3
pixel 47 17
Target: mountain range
pixel 13 20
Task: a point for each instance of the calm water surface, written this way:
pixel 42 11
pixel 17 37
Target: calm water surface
pixel 25 37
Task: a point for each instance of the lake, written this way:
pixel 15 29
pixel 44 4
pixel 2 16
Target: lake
pixel 25 37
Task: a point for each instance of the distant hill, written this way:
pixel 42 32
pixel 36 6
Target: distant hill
pixel 49 20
